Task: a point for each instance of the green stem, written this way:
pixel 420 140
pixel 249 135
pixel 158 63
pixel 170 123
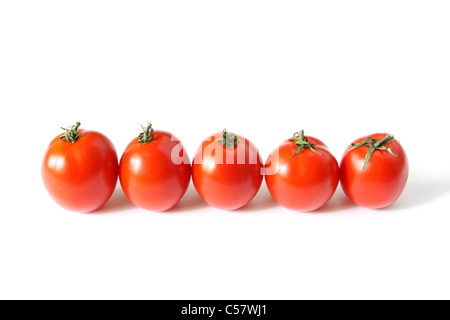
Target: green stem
pixel 302 143
pixel 228 139
pixel 71 133
pixel 373 145
pixel 147 134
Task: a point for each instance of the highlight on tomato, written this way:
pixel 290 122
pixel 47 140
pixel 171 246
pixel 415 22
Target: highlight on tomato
pixel 302 174
pixel 374 170
pixel 80 169
pixel 155 170
pixel 227 170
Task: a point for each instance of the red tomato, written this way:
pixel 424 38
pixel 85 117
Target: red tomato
pixel 80 169
pixel 382 180
pixel 302 176
pixel 155 170
pixel 227 176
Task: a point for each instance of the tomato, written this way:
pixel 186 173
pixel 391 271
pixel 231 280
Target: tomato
pixel 302 174
pixel 227 171
pixel 374 171
pixel 155 170
pixel 80 169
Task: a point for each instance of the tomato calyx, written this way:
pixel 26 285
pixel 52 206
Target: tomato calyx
pixel 373 145
pixel 228 139
pixel 71 133
pixel 147 134
pixel 302 143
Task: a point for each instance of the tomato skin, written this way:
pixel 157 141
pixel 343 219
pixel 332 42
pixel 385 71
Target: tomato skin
pixel 81 176
pixel 225 185
pixel 149 177
pixel 304 182
pixel 381 182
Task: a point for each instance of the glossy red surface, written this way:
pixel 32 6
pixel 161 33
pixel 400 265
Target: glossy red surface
pixel 381 182
pixel 81 176
pixel 155 176
pixel 304 182
pixel 225 177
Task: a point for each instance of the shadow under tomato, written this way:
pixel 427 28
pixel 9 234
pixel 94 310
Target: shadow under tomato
pixel 417 194
pixel 262 201
pixel 338 202
pixel 117 202
pixel 191 201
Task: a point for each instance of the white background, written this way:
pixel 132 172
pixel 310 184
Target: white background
pixel 262 69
